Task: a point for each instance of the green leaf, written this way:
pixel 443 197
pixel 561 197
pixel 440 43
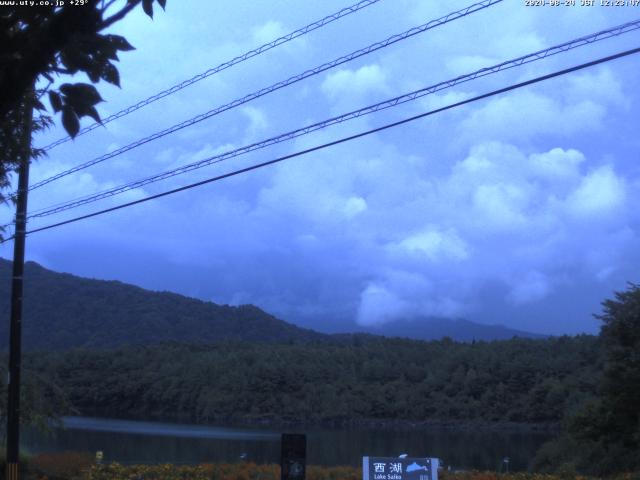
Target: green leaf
pixel 119 42
pixel 70 61
pixel 66 89
pixel 37 104
pixel 56 101
pixel 147 6
pixel 70 121
pixel 93 113
pixel 106 49
pixel 81 93
pixel 110 74
pixel 74 58
pixel 94 74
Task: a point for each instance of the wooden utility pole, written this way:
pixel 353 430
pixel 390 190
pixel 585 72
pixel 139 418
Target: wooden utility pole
pixel 15 336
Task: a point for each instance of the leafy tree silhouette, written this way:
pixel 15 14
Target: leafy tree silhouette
pixel 608 430
pixel 49 41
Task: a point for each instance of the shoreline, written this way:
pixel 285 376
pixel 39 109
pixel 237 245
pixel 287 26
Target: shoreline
pixel 339 423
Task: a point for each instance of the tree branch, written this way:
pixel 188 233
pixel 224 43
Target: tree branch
pixel 107 6
pixel 64 71
pixel 118 16
pixel 45 89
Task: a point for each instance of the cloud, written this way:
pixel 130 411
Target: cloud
pixel 434 245
pixel 267 32
pixel 519 220
pixel 533 286
pixel 354 205
pixel 500 205
pixel 560 108
pixel 404 295
pixel 378 305
pixel 602 86
pixel 600 193
pixel 502 118
pixel 349 87
pixel 258 122
pixel 557 164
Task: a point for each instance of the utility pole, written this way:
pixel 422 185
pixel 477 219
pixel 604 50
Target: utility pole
pixel 15 336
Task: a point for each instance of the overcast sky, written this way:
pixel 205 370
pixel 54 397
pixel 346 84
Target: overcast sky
pixel 517 209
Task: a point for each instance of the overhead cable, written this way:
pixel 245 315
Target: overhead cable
pixel 532 57
pixel 339 141
pixel 223 66
pixel 284 83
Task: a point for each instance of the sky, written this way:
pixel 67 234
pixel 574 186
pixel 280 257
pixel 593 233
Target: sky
pixel 515 210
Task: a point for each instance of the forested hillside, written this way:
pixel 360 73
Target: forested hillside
pixel 62 311
pixel 367 378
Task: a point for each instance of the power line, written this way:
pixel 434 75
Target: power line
pixel 223 66
pixel 264 91
pixel 532 57
pixel 342 140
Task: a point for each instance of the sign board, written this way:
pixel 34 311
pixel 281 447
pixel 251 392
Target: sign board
pixel 293 456
pixel 393 468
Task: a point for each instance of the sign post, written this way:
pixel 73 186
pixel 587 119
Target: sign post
pixel 406 468
pixel 293 457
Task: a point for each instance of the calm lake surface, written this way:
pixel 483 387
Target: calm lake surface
pixel 157 442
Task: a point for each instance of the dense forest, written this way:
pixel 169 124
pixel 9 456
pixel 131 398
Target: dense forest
pixel 363 378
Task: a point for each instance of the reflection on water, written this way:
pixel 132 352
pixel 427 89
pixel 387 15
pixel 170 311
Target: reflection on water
pixel 154 442
pixel 166 429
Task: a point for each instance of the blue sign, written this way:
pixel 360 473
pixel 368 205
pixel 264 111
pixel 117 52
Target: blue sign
pixel 406 468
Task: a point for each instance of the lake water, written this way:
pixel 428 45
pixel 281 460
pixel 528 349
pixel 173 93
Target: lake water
pixel 157 442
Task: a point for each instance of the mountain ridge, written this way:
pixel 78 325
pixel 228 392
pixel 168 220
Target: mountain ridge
pixel 63 311
pixel 72 311
pixel 434 328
